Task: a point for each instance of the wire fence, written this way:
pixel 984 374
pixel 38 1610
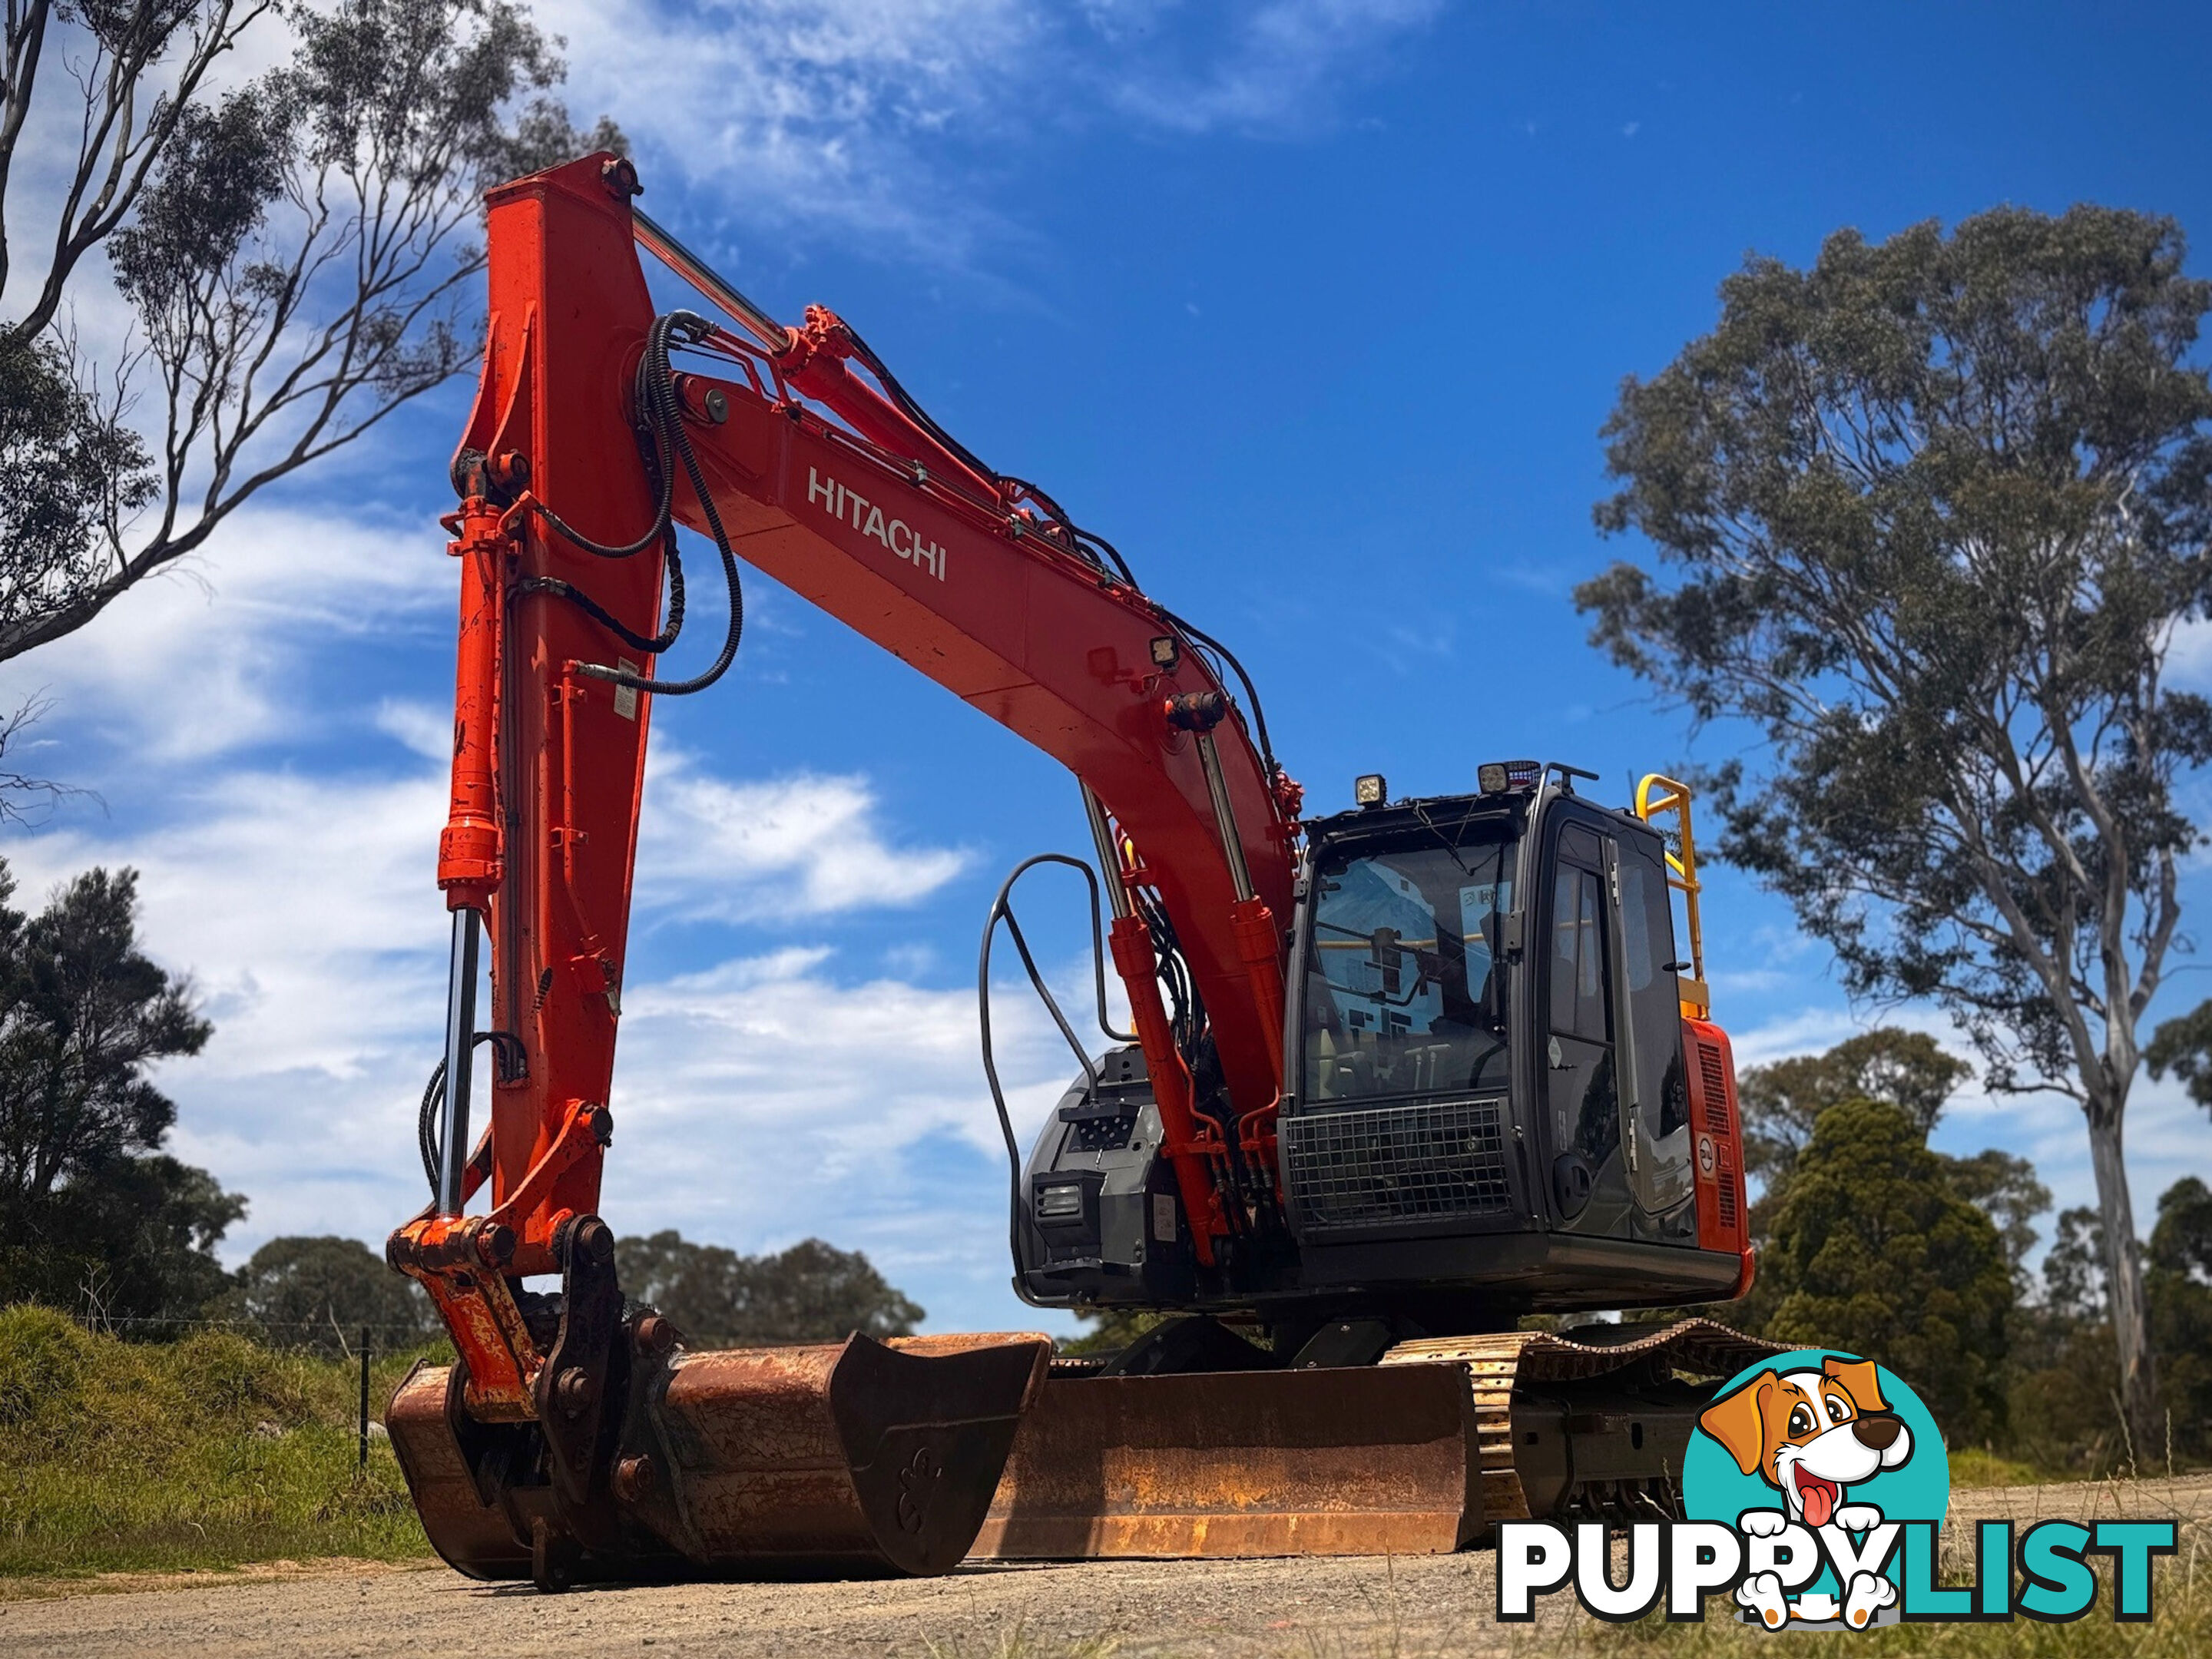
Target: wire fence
pixel 247 1325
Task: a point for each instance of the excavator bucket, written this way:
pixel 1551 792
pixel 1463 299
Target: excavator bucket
pixel 852 1459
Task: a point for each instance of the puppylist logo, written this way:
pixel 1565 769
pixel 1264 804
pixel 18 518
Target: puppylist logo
pixel 1814 1486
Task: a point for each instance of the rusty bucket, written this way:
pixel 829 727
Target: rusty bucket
pixel 857 1458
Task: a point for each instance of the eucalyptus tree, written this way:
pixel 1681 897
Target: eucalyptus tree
pixel 295 251
pixel 1928 517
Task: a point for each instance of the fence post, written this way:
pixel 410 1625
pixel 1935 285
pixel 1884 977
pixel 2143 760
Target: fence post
pixel 364 1398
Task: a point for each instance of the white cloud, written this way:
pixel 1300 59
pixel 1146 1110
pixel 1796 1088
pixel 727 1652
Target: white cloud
pixel 2189 654
pixel 417 727
pixel 1275 65
pixel 774 1050
pixel 304 905
pixel 206 657
pixel 803 844
pixel 805 110
pixel 876 117
pixel 305 909
pixel 762 1100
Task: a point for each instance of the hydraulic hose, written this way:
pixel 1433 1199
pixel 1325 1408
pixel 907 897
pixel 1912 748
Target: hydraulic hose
pixel 512 1061
pixel 662 408
pixel 1002 910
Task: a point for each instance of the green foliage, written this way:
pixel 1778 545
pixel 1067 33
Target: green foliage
pixel 2065 1414
pixel 811 1292
pixel 208 1452
pixel 300 252
pixel 220 171
pixel 319 1292
pixel 2183 1046
pixel 1929 515
pixel 1937 503
pixel 89 1210
pixel 2004 1187
pixel 1875 1251
pixel 67 468
pixel 2074 1267
pixel 1977 1466
pixel 2179 1286
pixel 1781 1101
pixel 136 1241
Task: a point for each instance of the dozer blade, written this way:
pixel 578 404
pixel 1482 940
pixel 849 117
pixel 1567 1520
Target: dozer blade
pixel 849 1459
pixel 1420 1455
pixel 1361 1461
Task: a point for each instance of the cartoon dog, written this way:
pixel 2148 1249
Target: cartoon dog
pixel 1809 1435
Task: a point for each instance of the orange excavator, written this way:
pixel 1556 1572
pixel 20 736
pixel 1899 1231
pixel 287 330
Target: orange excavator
pixel 1399 1078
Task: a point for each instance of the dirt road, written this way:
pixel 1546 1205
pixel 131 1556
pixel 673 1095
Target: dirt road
pixel 1312 1608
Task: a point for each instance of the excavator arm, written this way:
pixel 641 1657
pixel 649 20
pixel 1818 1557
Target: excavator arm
pixel 596 425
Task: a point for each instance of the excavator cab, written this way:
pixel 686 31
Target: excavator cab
pixel 1500 1096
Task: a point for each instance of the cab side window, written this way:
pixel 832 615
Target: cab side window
pixel 1647 918
pixel 1578 1058
pixel 1578 956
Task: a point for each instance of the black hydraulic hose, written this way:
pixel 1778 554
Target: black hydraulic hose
pixel 512 1061
pixel 1096 548
pixel 1085 540
pixel 1001 910
pixel 1251 691
pixel 598 613
pixel 913 410
pixel 661 406
pixel 1098 544
pixel 921 417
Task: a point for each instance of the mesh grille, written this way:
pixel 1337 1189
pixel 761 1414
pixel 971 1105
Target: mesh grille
pixel 1398 1164
pixel 1716 1075
pixel 1724 1177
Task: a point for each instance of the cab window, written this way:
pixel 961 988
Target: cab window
pixel 1578 1048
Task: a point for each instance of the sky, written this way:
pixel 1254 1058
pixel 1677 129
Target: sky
pixel 1314 307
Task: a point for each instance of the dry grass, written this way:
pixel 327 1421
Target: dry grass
pixel 1977 1467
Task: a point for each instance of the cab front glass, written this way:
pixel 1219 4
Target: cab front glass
pixel 1404 993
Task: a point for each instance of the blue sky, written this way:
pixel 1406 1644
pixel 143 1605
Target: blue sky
pixel 1314 307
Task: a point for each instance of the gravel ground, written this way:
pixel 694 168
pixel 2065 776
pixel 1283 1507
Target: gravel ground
pixel 1315 1609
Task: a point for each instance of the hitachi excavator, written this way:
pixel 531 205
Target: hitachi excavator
pixel 1399 1078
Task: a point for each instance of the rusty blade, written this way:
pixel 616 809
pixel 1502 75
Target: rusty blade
pixel 1356 1461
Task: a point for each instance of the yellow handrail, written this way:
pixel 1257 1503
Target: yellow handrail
pixel 1655 796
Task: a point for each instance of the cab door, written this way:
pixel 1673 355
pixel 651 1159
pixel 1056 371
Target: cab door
pixel 1654 1100
pixel 1576 1041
